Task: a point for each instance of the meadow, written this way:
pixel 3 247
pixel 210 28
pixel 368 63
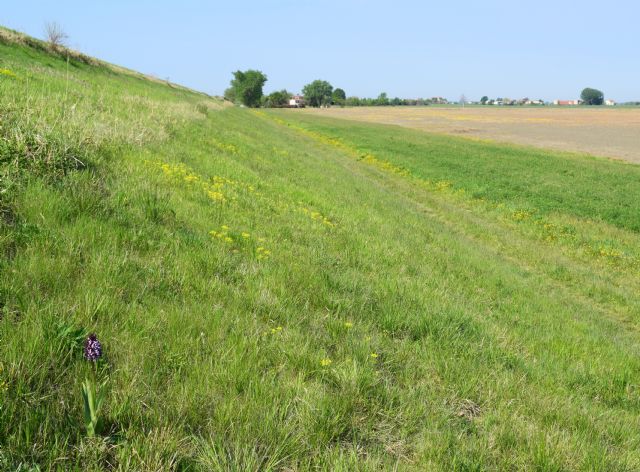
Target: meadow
pixel 280 291
pixel 601 131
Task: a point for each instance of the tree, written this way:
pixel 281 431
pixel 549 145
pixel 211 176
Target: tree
pixel 246 87
pixel 230 95
pixel 591 96
pixel 318 93
pixel 55 35
pixel 278 99
pixel 339 97
pixel 382 100
pixel 484 100
pixel 353 102
pixel 463 100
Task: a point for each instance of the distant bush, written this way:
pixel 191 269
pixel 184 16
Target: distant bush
pixel 277 99
pixel 383 100
pixel 339 97
pixel 55 35
pixel 202 108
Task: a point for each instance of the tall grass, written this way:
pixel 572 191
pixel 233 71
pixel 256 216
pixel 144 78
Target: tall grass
pixel 274 293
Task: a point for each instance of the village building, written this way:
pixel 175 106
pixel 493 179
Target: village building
pixel 296 101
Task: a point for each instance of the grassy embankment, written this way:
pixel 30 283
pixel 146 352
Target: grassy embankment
pixel 276 291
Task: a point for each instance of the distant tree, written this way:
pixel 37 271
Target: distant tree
pixel 246 87
pixel 484 100
pixel 382 100
pixel 353 102
pixel 55 35
pixel 230 94
pixel 591 96
pixel 339 97
pixel 278 99
pixel 318 93
pixel 463 99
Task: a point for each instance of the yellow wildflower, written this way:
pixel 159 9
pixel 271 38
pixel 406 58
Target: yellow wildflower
pixel 348 324
pixel 326 362
pixel 217 196
pixel 443 185
pixel 374 355
pixel 191 178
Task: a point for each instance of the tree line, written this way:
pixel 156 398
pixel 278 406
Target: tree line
pixel 246 89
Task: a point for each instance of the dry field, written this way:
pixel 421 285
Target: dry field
pixel 603 131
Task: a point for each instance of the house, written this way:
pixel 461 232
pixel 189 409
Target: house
pixel 297 101
pixel 610 103
pixel 567 102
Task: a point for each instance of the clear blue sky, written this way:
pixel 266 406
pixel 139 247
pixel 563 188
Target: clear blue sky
pixel 540 49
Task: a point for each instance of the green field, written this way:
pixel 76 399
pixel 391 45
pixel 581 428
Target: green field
pixel 277 291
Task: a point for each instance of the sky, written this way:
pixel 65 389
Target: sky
pixel 406 48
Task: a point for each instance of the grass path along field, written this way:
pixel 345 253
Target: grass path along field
pixel 600 130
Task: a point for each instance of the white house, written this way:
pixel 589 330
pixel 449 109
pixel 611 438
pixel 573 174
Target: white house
pixel 609 102
pixel 297 101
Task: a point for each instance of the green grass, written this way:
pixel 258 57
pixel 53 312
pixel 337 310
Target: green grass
pixel 399 300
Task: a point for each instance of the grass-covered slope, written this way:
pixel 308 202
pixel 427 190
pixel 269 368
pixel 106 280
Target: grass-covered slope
pixel 280 293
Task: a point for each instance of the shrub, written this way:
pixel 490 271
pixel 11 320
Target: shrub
pixel 56 37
